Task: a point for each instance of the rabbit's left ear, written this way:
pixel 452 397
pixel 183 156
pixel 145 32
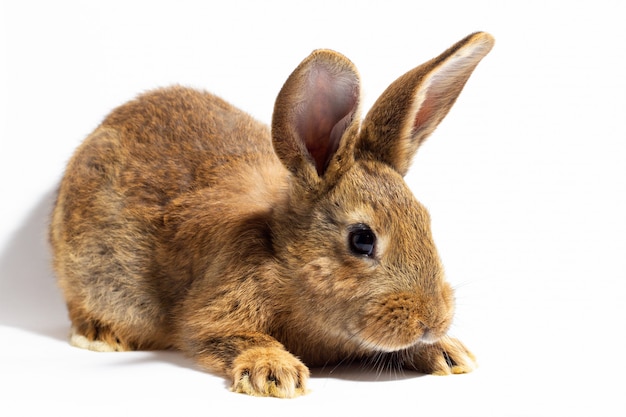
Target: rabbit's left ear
pixel 413 105
pixel 313 110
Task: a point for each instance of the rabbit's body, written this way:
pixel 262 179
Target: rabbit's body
pixel 146 160
pixel 183 223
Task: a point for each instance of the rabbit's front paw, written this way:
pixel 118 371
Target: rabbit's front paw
pixel 269 372
pixel 444 357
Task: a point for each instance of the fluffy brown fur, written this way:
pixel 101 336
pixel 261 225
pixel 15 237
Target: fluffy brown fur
pixel 183 223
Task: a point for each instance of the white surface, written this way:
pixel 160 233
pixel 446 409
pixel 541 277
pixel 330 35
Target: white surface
pixel 525 181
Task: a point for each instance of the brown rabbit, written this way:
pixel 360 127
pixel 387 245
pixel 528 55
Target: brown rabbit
pixel 181 222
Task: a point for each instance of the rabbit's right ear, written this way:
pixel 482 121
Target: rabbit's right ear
pixel 316 105
pixel 413 105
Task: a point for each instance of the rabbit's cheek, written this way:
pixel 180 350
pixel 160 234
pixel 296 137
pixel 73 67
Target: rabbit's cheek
pixel 316 277
pixel 323 281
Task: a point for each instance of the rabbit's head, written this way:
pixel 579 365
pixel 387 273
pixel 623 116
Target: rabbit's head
pixel 353 237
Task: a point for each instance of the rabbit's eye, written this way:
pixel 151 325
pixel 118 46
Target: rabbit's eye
pixel 362 240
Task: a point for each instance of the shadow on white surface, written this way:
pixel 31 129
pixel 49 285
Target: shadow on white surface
pixel 170 357
pixel 363 372
pixel 29 297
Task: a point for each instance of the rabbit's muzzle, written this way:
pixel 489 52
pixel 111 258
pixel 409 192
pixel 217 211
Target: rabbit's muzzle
pixel 402 319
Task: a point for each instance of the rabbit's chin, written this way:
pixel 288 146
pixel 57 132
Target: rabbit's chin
pixel 427 338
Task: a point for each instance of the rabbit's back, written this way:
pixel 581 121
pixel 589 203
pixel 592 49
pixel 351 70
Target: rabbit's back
pixel 181 137
pixel 108 221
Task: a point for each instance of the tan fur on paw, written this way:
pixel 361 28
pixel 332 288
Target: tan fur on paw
pixel 445 357
pixel 269 372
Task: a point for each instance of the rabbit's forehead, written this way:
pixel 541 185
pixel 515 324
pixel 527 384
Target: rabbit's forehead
pixel 375 183
pixel 379 197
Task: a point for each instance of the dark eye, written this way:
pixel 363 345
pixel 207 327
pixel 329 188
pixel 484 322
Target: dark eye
pixel 362 240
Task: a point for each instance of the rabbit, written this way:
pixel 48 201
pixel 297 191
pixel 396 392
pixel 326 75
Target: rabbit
pixel 183 223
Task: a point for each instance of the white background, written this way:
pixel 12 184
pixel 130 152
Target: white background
pixel 525 181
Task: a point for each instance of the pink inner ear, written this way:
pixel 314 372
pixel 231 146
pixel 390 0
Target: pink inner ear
pixel 440 92
pixel 424 114
pixel 329 100
pixel 445 83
